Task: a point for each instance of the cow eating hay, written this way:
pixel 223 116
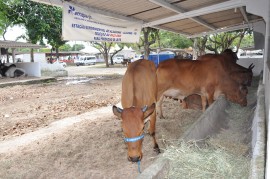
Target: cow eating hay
pixel 207 78
pixel 139 90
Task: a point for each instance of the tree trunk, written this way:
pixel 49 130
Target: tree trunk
pixel 107 61
pixel 146 43
pixel 239 43
pixel 195 49
pixel 57 52
pixel 32 55
pixel 7 56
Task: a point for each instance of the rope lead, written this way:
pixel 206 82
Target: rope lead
pixel 139 164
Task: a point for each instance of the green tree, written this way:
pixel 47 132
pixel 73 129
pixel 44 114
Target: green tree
pixel 41 22
pixel 149 37
pixel 4 21
pixel 221 41
pixel 77 47
pixel 53 32
pixel 173 40
pixel 247 41
pixel 121 46
pixel 199 45
pixel 104 48
pixel 65 47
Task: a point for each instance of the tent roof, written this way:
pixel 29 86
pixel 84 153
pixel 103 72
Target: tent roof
pixel 90 50
pixel 15 44
pixel 188 17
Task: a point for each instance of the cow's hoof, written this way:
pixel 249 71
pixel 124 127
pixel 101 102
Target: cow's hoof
pixel 161 117
pixel 156 149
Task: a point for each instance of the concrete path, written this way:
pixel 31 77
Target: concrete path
pixel 97 69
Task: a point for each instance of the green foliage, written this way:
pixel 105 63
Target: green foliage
pixel 41 21
pixel 27 50
pixel 104 49
pixel 221 41
pixel 65 47
pixel 5 14
pixel 153 38
pixel 149 36
pixel 247 41
pixel 77 47
pixel 173 40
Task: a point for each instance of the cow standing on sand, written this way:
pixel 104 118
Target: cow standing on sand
pixel 139 94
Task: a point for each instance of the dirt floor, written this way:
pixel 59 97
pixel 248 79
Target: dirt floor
pixel 24 108
pixel 89 149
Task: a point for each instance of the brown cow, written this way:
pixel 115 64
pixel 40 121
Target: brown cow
pixel 237 72
pixel 208 78
pixel 193 101
pixel 139 90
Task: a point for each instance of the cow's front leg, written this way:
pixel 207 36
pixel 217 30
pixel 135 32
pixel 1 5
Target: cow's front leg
pixel 204 102
pixel 152 130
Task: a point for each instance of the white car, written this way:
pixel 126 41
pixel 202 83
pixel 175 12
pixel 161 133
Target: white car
pixel 86 60
pixel 64 64
pixel 118 60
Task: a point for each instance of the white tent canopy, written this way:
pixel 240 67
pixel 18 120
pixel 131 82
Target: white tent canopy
pixel 90 50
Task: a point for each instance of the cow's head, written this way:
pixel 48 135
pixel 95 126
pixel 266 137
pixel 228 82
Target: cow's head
pixel 239 95
pixel 230 55
pixel 133 120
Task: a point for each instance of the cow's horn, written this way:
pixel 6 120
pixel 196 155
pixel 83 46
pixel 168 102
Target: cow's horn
pixel 144 108
pixel 251 66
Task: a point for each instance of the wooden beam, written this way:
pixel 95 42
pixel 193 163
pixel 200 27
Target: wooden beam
pixel 225 29
pixel 180 10
pixel 244 14
pixel 198 12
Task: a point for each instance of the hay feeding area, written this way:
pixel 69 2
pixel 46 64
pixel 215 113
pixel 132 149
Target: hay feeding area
pixel 191 161
pixel 225 155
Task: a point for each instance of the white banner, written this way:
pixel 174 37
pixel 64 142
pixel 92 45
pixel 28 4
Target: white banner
pixel 80 24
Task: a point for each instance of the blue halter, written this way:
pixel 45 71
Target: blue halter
pixel 134 139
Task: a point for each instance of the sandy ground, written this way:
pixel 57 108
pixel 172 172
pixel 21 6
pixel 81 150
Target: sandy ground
pixel 27 107
pixel 88 149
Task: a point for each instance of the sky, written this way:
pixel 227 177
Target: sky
pixel 13 33
pixel 16 31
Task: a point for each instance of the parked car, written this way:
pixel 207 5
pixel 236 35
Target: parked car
pixel 64 64
pixel 118 60
pixel 86 60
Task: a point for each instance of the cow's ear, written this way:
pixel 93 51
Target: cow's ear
pixel 117 111
pixel 147 111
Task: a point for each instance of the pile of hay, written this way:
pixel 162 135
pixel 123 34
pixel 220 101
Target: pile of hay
pixel 225 155
pixel 188 160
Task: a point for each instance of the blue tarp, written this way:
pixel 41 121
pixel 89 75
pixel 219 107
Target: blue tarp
pixel 157 58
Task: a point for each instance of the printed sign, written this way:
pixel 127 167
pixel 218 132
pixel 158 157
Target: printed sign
pixel 80 24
